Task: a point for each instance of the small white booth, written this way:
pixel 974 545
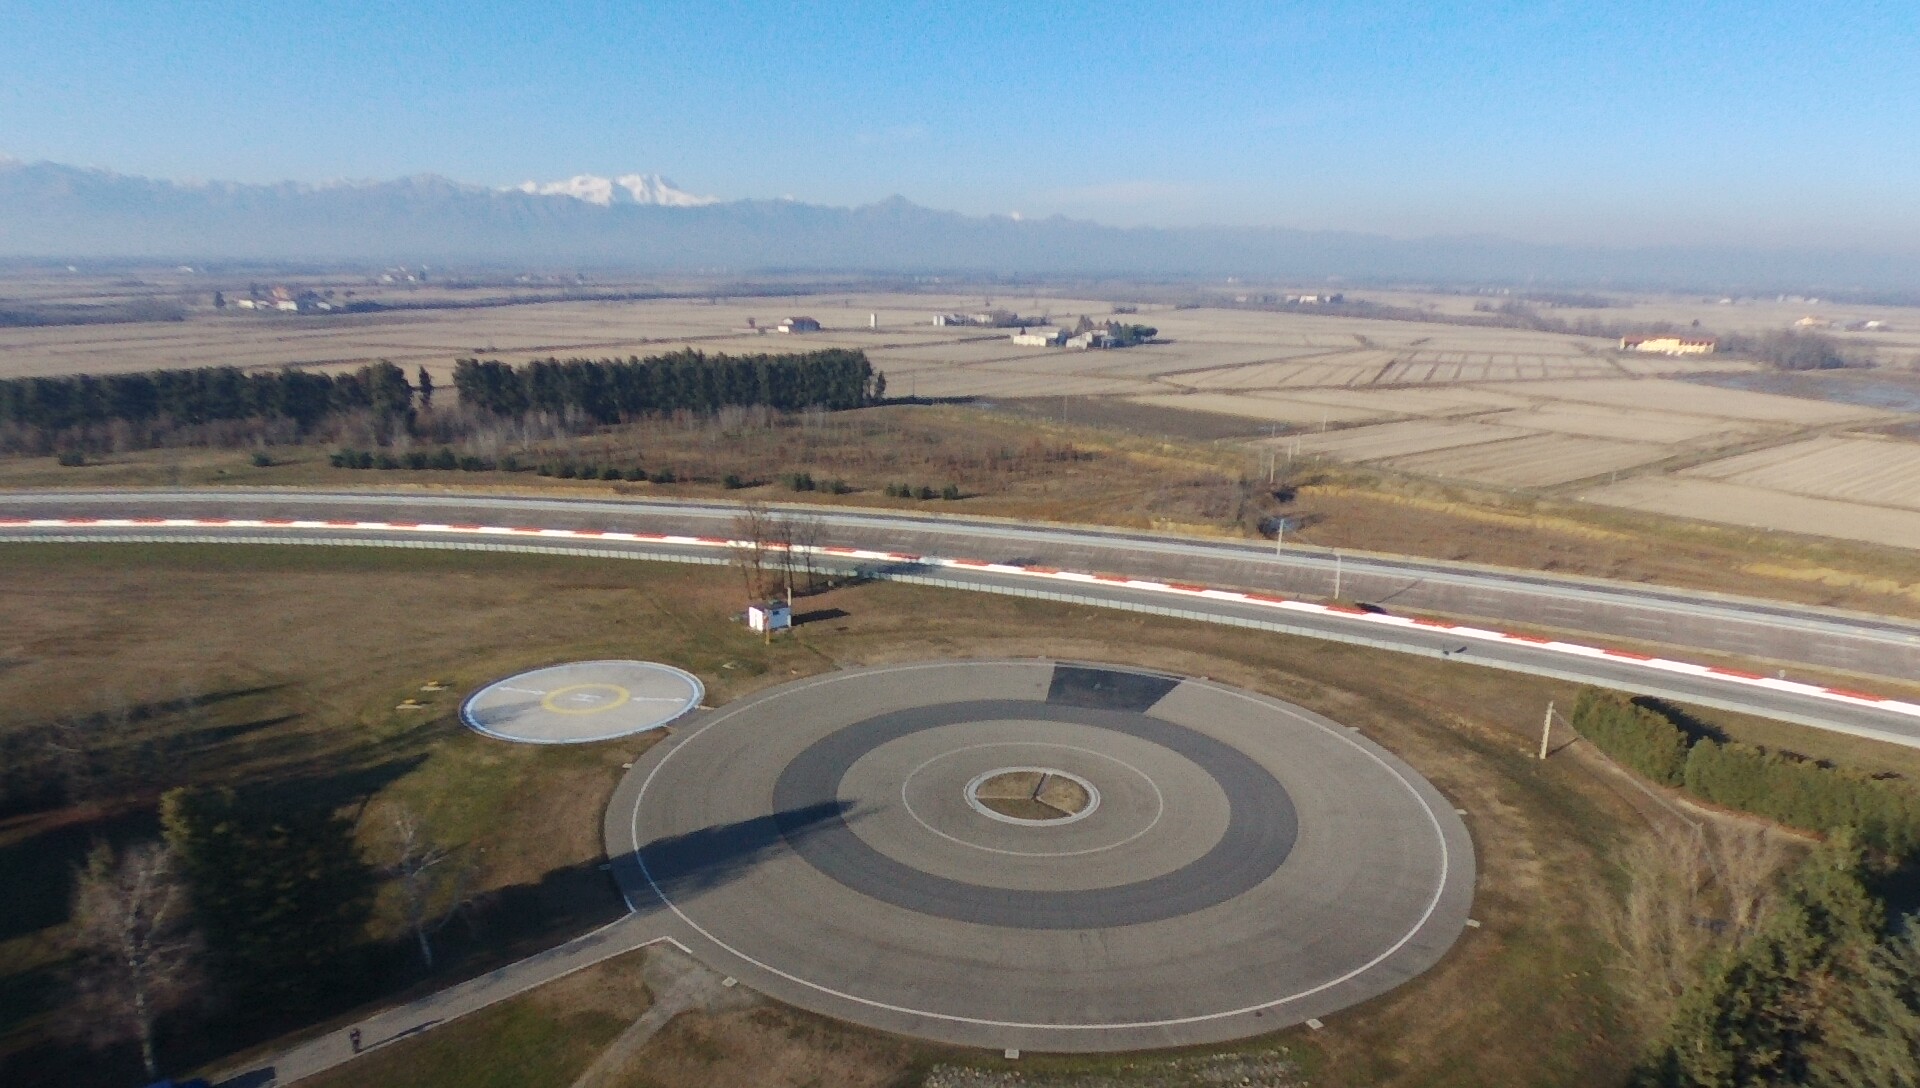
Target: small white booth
pixel 771 616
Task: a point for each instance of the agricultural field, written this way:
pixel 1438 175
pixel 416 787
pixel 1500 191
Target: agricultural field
pixel 1764 509
pixel 1507 409
pixel 1878 472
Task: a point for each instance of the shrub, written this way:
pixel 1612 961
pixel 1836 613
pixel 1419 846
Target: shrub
pixel 838 487
pixel 665 476
pixel 386 461
pixel 510 463
pixel 1805 794
pixel 444 460
pixel 733 482
pixel 636 474
pixel 611 472
pixel 565 471
pixel 261 459
pixel 1640 738
pixel 417 459
pixel 72 459
pixel 924 493
pixel 950 492
pixel 475 464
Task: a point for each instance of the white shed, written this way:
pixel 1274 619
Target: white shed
pixel 771 616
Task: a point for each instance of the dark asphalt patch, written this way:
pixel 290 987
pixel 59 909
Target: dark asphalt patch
pixel 1108 689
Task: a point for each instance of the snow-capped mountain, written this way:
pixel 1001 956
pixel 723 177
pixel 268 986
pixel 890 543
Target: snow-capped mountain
pixel 625 189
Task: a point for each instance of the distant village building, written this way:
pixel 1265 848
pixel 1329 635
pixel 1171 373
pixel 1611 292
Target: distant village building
pixel 1092 338
pixel 989 319
pixel 1670 345
pixel 798 324
pixel 1040 338
pixel 1813 321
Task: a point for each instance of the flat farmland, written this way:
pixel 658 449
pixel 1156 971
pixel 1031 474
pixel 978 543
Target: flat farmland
pixel 1599 421
pixel 1294 411
pixel 1882 472
pixel 1760 508
pixel 1381 441
pixel 1667 395
pixel 1538 460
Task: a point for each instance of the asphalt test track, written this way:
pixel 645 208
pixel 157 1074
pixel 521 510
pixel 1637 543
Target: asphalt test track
pixel 1250 864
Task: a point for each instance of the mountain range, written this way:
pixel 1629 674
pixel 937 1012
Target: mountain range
pixel 625 189
pixel 642 222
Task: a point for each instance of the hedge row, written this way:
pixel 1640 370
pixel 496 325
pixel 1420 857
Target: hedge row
pixel 1784 788
pixel 1642 739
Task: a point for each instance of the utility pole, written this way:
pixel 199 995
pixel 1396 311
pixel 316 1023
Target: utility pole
pixel 1546 729
pixel 1336 575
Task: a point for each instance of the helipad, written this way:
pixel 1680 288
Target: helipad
pixel 582 702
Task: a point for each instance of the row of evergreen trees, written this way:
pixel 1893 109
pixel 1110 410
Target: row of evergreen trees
pixel 1825 990
pixel 1785 789
pixel 614 390
pixel 204 395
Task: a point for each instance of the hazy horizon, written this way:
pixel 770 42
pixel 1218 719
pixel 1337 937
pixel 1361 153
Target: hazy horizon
pixel 1747 126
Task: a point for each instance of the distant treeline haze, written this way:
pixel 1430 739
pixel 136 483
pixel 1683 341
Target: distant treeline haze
pixel 613 390
pixel 226 406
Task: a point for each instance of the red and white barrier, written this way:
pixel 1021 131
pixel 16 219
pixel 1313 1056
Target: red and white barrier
pixel 1177 589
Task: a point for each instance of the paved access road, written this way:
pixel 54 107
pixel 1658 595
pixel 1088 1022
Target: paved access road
pixel 1754 629
pixel 589 527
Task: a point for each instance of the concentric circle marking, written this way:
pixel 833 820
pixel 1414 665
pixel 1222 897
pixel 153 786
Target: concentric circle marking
pixel 1260 832
pixel 1159 807
pixel 582 701
pixel 1375 887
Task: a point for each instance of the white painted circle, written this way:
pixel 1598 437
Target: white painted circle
pixel 582 702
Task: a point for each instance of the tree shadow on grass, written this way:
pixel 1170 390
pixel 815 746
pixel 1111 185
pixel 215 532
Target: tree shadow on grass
pixel 36 873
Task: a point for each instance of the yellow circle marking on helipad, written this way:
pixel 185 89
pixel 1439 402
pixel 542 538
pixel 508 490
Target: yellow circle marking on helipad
pixel 552 701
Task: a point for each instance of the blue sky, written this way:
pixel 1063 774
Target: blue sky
pixel 1759 123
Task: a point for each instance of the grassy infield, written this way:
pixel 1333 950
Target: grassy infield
pixel 1522 1000
pixel 315 647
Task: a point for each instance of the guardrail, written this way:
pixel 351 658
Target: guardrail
pixel 915 570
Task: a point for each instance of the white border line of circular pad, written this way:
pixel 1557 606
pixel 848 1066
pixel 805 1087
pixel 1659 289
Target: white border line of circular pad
pixel 698 696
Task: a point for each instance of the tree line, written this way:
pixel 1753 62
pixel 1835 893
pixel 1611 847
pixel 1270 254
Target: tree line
pixel 617 390
pixel 206 395
pixel 1780 787
pixel 1819 981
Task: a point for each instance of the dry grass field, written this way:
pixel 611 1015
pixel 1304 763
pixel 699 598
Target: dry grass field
pixel 1523 999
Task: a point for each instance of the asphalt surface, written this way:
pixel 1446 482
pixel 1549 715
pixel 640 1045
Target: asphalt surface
pixel 1755 629
pixel 1250 865
pixel 1596 608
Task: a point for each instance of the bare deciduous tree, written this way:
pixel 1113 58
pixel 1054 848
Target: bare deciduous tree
pixel 1657 930
pixel 136 948
pixel 752 531
pixel 804 533
pixel 433 885
pixel 1747 863
pixel 70 740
